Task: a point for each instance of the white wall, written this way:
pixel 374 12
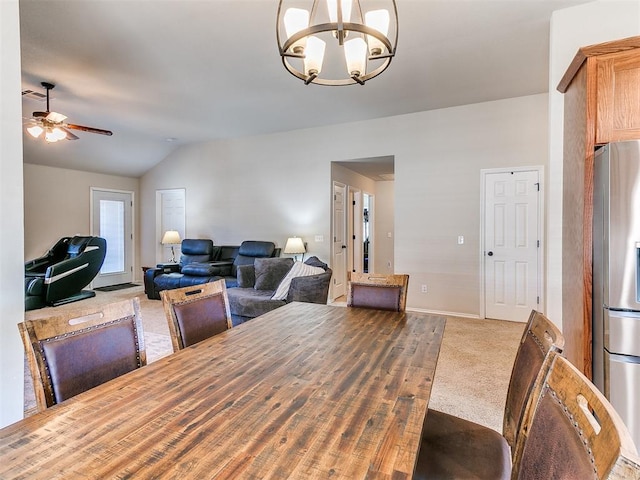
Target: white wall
pixel 268 187
pixel 572 28
pixel 57 204
pixel 11 241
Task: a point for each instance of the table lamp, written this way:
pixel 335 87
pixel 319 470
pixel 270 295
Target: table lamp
pixel 294 246
pixel 171 237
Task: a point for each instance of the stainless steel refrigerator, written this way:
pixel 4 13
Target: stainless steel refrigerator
pixel 616 279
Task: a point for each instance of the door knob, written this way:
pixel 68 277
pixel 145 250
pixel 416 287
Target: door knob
pixel 490 254
pixel 344 246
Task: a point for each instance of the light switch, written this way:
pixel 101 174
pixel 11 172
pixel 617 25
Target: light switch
pixel 319 238
pixel 460 239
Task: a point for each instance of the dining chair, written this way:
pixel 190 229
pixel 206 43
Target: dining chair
pixel 455 448
pixel 382 292
pixel 75 351
pixel 197 312
pixel 574 432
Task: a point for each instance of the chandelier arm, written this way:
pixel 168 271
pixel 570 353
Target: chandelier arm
pixel 332 27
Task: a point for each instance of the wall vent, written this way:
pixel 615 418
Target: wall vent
pixel 35 95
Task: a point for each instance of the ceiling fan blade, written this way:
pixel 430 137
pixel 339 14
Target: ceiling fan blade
pixel 89 129
pixel 40 114
pixel 70 136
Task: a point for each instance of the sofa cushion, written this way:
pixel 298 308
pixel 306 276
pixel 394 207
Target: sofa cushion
pixel 270 272
pixel 299 269
pixel 249 302
pixel 167 281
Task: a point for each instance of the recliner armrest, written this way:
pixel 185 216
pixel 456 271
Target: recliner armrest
pixel 206 269
pixel 168 267
pixel 38 265
pixel 311 288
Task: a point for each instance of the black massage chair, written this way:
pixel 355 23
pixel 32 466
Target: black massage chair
pixel 59 276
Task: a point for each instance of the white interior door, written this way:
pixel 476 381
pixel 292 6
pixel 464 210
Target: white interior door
pixel 112 220
pixel 171 206
pixel 512 244
pixel 339 241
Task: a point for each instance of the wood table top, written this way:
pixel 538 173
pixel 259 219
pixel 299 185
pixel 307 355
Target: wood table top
pixel 305 391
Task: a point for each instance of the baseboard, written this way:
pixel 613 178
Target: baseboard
pixel 440 312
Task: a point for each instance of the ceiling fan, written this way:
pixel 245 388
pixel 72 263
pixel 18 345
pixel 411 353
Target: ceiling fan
pixel 53 124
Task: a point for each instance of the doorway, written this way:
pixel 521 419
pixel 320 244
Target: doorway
pixel 339 244
pixel 511 246
pixel 367 237
pixel 112 219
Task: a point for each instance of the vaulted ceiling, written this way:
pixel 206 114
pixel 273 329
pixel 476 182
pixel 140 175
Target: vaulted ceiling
pixel 161 74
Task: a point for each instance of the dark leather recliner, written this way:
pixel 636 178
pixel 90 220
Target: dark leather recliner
pixel 202 262
pixel 59 276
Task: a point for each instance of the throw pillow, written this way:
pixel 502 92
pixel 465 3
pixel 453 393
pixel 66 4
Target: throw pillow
pixel 270 272
pixel 246 276
pixel 299 269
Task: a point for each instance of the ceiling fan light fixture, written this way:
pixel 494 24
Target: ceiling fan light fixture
pixel 59 133
pixel 370 25
pixel 55 134
pixel 35 131
pixel 50 137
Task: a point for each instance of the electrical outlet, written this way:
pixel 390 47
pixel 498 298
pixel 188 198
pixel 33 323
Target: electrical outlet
pixel 460 239
pixel 423 289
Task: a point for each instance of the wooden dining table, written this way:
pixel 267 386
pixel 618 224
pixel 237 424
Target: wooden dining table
pixel 304 391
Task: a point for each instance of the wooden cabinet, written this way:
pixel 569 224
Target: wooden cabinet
pixel 618 97
pixel 601 105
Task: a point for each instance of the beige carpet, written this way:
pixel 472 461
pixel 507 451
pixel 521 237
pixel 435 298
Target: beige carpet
pixel 471 379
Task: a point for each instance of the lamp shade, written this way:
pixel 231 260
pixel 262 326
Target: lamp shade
pixel 294 245
pixel 171 237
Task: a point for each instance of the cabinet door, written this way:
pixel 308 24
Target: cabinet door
pixel 618 97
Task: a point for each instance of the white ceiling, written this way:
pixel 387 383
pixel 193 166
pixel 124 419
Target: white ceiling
pixel 196 70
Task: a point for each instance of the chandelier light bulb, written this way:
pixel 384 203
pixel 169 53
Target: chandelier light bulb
pixel 296 19
pixel 332 5
pixel 35 131
pixel 314 56
pixel 355 53
pixel 378 19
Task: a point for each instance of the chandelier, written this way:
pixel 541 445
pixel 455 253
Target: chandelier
pixel 357 32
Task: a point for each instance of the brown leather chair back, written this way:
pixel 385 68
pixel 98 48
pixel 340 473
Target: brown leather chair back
pixel 197 312
pixel 382 292
pixel 574 433
pixel 75 351
pixel 540 337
